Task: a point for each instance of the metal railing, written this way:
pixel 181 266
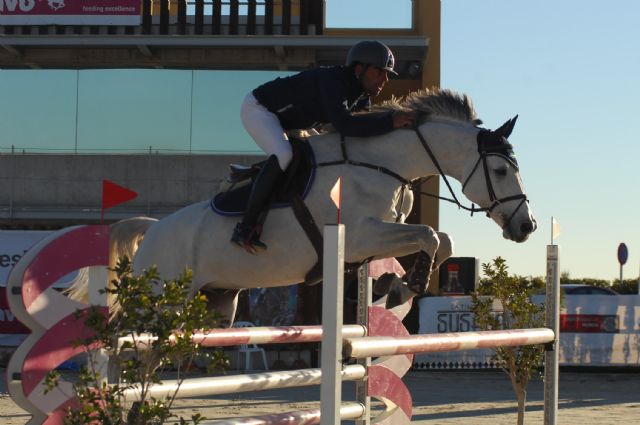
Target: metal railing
pixel 205 17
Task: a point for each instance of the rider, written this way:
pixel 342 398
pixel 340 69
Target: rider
pixel 326 95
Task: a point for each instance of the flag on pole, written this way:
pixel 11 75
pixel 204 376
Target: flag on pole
pixel 114 194
pixel 336 195
pixel 555 229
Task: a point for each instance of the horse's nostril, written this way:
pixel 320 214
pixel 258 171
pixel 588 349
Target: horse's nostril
pixel 526 227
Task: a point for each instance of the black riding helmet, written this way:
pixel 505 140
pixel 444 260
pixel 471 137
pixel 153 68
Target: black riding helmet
pixel 372 53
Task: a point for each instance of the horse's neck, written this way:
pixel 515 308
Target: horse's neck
pixel 401 151
pixel 453 143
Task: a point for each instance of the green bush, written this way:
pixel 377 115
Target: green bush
pixel 519 312
pixel 146 304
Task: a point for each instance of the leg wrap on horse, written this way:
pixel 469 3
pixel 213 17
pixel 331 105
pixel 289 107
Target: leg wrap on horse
pixel 418 277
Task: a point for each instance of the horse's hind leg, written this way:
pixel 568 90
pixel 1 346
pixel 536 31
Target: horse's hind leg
pixel 224 302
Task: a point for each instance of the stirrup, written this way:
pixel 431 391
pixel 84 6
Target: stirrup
pixel 248 238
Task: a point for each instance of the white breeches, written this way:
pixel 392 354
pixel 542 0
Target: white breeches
pixel 265 129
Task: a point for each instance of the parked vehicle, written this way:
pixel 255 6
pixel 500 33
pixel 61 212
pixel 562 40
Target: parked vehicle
pixel 577 289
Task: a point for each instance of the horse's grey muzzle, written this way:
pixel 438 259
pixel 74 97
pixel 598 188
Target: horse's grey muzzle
pixel 520 233
pixel 527 227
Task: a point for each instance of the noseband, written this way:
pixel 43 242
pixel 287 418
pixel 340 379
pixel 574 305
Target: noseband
pixel 489 144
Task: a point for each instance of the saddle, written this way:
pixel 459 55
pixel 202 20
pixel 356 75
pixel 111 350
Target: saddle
pixel 296 181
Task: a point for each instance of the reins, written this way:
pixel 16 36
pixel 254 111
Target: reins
pixel 345 160
pixel 434 160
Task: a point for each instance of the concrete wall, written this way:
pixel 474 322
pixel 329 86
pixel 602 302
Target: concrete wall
pixel 48 191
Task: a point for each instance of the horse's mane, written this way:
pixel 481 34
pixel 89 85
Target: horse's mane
pixel 436 102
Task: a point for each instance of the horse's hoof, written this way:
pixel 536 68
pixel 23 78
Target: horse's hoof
pixel 384 283
pixel 393 300
pixel 399 293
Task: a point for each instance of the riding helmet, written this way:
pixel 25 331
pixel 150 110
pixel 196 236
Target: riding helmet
pixel 372 53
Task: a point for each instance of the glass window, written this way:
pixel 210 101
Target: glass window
pixel 126 110
pixel 368 13
pixel 38 110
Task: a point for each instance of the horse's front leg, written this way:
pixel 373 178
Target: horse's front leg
pixel 383 239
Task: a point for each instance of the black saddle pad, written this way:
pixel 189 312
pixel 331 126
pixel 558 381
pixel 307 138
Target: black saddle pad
pixel 296 180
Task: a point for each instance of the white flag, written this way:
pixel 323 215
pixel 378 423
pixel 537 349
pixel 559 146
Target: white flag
pixel 555 229
pixel 335 193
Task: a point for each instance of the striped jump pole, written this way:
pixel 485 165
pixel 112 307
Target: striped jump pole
pixel 255 335
pixel 391 346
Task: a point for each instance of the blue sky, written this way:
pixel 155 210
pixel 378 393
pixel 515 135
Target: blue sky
pixel 568 68
pixel 571 70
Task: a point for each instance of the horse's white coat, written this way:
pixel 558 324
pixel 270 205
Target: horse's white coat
pixel 197 238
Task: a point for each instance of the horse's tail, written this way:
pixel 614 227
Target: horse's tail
pixel 125 237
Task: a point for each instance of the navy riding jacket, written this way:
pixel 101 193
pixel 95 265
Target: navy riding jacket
pixel 321 96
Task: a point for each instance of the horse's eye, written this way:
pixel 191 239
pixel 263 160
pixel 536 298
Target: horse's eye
pixel 502 171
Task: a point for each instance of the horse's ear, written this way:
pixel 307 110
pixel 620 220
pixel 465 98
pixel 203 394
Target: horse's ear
pixel 506 128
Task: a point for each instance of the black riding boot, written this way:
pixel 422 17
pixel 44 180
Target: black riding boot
pixel 246 233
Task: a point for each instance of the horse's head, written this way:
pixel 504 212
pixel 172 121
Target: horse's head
pixel 493 182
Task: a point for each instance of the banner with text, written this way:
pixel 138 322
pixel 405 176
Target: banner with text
pixel 13 245
pixel 70 12
pixel 595 330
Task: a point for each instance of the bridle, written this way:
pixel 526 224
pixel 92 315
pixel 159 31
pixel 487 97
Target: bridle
pixel 489 144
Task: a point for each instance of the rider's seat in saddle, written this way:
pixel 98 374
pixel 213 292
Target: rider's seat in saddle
pixel 297 180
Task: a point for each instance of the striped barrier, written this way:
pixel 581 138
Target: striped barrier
pixel 392 346
pixel 254 335
pixel 50 316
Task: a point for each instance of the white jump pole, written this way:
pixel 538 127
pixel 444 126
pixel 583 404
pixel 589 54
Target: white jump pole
pixel 552 305
pixel 348 411
pixel 373 346
pixel 206 386
pixel 331 346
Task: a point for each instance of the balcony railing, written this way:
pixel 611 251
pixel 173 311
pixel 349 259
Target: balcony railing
pixel 203 17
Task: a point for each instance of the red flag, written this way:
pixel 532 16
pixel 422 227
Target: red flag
pixel 113 194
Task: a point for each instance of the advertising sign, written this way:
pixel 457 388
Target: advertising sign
pixel 70 12
pixel 13 245
pixel 459 276
pixel 595 330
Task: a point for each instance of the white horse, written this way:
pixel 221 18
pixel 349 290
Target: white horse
pixel 446 141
